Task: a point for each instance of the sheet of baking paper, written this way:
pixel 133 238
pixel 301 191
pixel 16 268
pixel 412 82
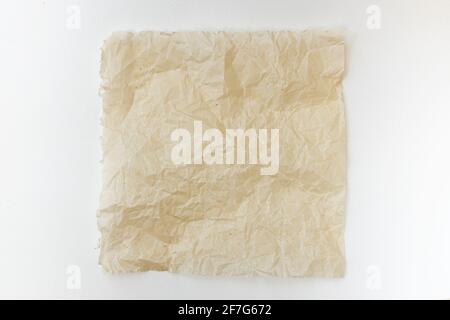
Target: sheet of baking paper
pixel 223 219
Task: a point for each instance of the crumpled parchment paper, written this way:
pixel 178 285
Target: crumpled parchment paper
pixel 223 219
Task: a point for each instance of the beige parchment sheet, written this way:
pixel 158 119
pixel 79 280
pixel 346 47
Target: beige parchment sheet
pixel 223 219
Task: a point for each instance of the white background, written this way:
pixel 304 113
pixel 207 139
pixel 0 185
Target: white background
pixel 397 95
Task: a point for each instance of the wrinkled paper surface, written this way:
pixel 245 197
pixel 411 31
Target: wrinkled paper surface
pixel 223 219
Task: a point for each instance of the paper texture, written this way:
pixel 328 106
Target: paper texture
pixel 223 218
